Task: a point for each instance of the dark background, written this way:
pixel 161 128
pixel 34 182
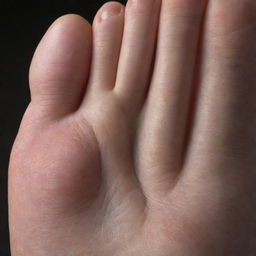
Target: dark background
pixel 22 25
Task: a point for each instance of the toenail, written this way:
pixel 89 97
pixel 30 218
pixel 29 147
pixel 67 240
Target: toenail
pixel 110 11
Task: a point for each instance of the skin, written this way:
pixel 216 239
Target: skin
pixel 140 135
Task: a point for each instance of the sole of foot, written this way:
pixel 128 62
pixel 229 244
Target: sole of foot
pixel 140 135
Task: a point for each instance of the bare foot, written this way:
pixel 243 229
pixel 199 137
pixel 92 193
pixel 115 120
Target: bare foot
pixel 127 152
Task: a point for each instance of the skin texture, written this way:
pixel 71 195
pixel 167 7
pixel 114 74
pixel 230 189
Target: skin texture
pixel 140 135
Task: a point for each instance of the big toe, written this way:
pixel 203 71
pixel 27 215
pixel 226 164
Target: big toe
pixel 60 67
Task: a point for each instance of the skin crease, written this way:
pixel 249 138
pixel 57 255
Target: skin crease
pixel 140 135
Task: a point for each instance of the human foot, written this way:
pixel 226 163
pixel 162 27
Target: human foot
pixel 132 164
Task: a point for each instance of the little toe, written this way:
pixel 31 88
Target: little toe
pixel 60 67
pixel 224 123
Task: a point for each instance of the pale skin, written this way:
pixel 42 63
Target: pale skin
pixel 140 136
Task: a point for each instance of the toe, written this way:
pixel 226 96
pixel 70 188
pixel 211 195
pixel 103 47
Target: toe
pixel 166 109
pixel 107 38
pixel 224 123
pixel 60 67
pixel 141 21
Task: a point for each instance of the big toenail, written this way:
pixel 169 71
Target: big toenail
pixel 110 11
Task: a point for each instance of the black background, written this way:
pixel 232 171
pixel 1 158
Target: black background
pixel 22 25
